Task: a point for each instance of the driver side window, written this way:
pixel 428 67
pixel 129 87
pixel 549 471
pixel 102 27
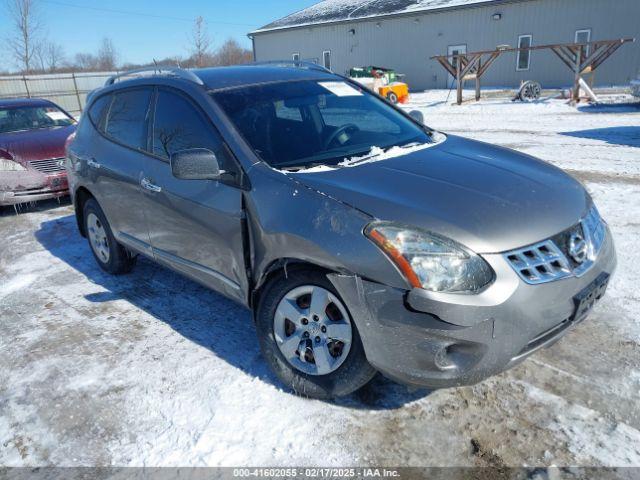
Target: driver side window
pixel 179 125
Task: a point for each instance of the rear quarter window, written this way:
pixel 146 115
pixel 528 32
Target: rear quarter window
pixel 98 110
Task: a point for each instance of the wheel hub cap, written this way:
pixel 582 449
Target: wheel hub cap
pixel 313 330
pixel 98 238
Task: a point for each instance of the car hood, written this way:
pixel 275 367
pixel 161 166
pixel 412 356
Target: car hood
pixel 488 198
pixel 40 144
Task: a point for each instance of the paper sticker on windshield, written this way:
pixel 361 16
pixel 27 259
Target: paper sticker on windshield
pixel 57 116
pixel 341 89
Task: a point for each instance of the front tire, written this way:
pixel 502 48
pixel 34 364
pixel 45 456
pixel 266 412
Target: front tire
pixel 110 255
pixel 308 337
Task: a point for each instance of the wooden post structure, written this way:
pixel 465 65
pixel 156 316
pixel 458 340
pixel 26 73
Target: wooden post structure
pixel 478 80
pixel 467 67
pixel 459 79
pixel 577 71
pixel 573 55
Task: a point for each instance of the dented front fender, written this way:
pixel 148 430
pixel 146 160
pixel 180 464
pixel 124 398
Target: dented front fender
pixel 288 220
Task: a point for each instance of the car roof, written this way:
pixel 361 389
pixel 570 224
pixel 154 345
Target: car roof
pixel 230 77
pixel 219 78
pixel 25 102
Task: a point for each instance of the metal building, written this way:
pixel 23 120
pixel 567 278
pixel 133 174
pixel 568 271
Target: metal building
pixel 405 34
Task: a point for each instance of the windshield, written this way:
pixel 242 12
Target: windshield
pixel 18 119
pixel 295 125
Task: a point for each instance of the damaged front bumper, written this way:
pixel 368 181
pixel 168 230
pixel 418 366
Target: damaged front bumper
pixel 445 340
pixel 24 187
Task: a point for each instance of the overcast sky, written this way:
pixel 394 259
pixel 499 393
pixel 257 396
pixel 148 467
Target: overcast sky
pixel 145 29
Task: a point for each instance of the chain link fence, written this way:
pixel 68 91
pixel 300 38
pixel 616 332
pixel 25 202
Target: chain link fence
pixel 69 90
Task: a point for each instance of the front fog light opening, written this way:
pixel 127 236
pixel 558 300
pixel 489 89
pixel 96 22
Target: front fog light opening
pixel 444 359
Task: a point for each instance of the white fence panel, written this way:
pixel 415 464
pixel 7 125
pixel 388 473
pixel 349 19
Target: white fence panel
pixel 69 90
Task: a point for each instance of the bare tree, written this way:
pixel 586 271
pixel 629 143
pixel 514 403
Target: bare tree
pixel 37 61
pixel 26 26
pixel 86 61
pixel 200 42
pixel 232 53
pixel 54 55
pixel 107 55
pixel 49 55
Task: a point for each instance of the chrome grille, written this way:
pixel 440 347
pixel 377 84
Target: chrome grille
pixel 540 263
pixel 53 165
pixel 550 260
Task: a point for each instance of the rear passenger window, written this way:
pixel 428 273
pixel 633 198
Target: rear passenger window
pixel 127 118
pixel 179 125
pixel 98 110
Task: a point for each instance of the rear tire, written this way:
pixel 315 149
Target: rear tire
pixel 110 255
pixel 392 97
pixel 301 372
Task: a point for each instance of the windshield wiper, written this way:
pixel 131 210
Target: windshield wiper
pixel 306 166
pixel 330 160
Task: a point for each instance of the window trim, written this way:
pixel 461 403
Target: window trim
pixel 584 30
pixel 294 55
pixel 459 46
pixel 324 63
pixel 520 37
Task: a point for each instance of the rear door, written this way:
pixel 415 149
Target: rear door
pixel 117 161
pixel 195 226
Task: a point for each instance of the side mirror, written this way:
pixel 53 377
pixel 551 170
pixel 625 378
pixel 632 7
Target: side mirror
pixel 417 116
pixel 195 164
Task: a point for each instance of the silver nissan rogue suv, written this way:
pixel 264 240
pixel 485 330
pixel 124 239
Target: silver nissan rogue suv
pixel 362 240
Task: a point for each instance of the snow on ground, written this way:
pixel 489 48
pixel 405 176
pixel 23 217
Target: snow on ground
pixel 589 138
pixel 152 369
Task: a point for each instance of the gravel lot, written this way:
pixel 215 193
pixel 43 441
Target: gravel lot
pixel 151 369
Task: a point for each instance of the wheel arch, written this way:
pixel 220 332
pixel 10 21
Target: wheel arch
pixel 278 268
pixel 80 197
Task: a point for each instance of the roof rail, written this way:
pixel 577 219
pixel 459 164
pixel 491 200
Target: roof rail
pixel 292 63
pixel 158 71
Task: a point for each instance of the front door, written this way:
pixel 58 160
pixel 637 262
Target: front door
pixel 454 50
pixel 195 226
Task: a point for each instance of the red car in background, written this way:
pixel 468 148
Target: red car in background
pixel 33 133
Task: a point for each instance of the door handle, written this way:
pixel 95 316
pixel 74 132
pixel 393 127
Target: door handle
pixel 93 164
pixel 90 161
pixel 147 185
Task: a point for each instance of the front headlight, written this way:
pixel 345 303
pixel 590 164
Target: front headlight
pixel 7 165
pixel 429 261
